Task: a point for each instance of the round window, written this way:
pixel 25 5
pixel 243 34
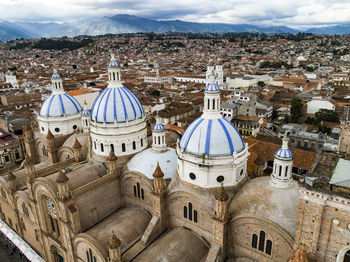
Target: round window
pixel 42 128
pixel 75 127
pixel 57 129
pixel 220 179
pixel 192 176
pixel 242 172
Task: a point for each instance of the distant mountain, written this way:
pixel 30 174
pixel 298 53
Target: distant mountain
pixel 9 31
pixel 331 30
pixel 132 24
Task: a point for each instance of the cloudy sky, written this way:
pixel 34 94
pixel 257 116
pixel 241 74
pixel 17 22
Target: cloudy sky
pixel 293 13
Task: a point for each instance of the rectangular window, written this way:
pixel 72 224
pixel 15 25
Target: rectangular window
pixel 58 228
pixel 190 211
pixel 52 224
pixel 17 155
pixel 135 191
pixel 185 211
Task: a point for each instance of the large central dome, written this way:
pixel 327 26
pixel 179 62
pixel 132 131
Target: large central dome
pixel 116 104
pixel 213 137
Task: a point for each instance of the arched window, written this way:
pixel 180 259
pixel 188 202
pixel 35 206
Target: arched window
pixel 195 216
pixel 113 76
pixel 86 122
pixel 163 139
pixel 208 102
pixel 123 147
pixel 102 148
pixel 89 256
pixel 262 241
pixel 139 192
pixel 95 145
pixel 268 247
pixel 280 172
pixel 286 171
pixel 254 241
pixel 158 140
pixel 190 213
pixel 213 103
pixel 118 76
pixel 133 145
pixel 141 142
pixel 112 147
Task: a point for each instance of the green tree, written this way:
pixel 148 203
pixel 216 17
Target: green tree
pixel 326 115
pixel 261 83
pixel 295 109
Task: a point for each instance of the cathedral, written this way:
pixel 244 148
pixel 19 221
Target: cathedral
pixel 95 188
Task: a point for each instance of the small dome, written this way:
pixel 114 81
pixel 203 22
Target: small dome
pixel 56 75
pixel 116 104
pixel 284 153
pixel 213 137
pixel 113 64
pixel 212 87
pixel 60 104
pixel 145 162
pixel 158 127
pixel 85 112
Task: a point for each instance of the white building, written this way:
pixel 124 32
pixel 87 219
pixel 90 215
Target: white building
pixel 118 120
pixel 318 103
pixel 60 113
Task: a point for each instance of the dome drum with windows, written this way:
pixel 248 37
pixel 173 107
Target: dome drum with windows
pixel 116 103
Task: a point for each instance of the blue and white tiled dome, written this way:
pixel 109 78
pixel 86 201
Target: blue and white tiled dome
pixel 59 104
pixel 284 153
pixel 56 75
pixel 212 87
pixel 85 112
pixel 113 64
pixel 158 127
pixel 116 104
pixel 213 137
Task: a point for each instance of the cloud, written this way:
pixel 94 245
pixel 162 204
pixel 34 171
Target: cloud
pixel 294 13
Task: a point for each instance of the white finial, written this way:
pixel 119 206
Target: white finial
pixel 285 140
pixel 212 78
pixel 112 56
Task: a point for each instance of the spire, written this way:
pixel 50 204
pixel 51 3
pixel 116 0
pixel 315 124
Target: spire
pixel 113 242
pixel 221 194
pixel 158 172
pixel 49 135
pixel 62 178
pixel 76 144
pixel 112 156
